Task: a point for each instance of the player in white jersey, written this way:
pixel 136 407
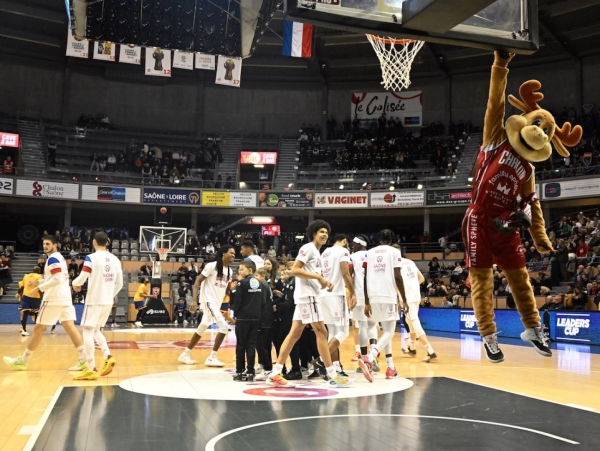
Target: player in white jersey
pixel 382 277
pixel 104 274
pixel 367 328
pixel 309 282
pixel 247 251
pixel 413 279
pixel 336 307
pixel 213 282
pixel 56 305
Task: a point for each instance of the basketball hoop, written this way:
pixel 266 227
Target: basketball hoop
pixel 396 57
pixel 162 253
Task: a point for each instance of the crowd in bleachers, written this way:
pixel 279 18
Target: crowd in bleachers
pixel 6 255
pixel 100 121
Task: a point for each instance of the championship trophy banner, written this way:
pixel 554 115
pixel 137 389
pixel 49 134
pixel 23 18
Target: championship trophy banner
pixel 130 54
pixel 77 48
pixel 105 51
pixel 204 61
pixel 183 60
pixel 229 71
pixel 158 62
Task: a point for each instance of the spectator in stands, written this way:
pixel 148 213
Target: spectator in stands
pixel 580 298
pixel 147 174
pixel 52 147
pixel 94 166
pixel 434 268
pixel 111 163
pixel 9 165
pixel 5 276
pixel 447 303
pixel 582 250
pixel 73 267
pixel 271 252
pixel 228 181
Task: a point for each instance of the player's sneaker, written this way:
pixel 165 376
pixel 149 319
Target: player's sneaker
pixel 319 366
pixel 15 363
pixel 430 358
pixel 184 357
pixel 185 322
pixel 109 364
pixel 53 332
pixel 340 381
pixel 536 337
pixel 410 352
pixel 81 365
pixel 375 366
pixel 138 324
pixel 493 352
pixel 366 368
pixel 213 361
pixel 114 326
pixel 294 376
pixel 263 376
pixel 356 357
pixel 87 375
pixel 24 333
pixel 391 373
pixel 277 380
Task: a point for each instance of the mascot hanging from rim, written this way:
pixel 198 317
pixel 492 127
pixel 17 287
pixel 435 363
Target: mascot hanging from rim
pixel 504 199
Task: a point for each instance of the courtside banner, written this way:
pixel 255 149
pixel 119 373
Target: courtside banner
pixel 571 188
pixel 7 186
pixel 577 327
pixel 228 199
pixel 397 199
pixel 285 199
pixel 408 106
pixel 111 194
pixel 48 189
pixel 171 196
pixel 346 200
pixel 449 197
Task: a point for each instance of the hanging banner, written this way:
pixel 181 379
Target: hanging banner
pixel 47 189
pixel 105 51
pixel 228 199
pixel 171 196
pixel 285 199
pixel 258 157
pixel 130 54
pixel 183 60
pixel 204 61
pixel 336 200
pixel 158 62
pixel 79 48
pixel 408 106
pixel 229 71
pixel 572 188
pixel 397 199
pixel 9 140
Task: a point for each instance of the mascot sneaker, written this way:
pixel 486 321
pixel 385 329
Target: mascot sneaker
pixel 493 352
pixel 536 337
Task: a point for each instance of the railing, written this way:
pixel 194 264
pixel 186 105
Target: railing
pixel 562 173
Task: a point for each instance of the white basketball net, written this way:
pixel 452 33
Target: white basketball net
pixel 396 57
pixel 162 253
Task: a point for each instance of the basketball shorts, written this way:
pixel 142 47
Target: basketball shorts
pixel 139 304
pixel 212 315
pixel 485 245
pixel 49 315
pixel 413 311
pixel 309 311
pixel 335 310
pixel 384 312
pixel 31 304
pixel 96 315
pixel 358 314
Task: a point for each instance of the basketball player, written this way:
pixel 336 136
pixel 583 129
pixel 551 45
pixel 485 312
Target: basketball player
pixel 309 282
pixel 56 306
pixel 382 277
pixel 30 298
pixel 336 308
pixel 139 301
pixel 413 278
pixel 215 279
pixel 105 279
pixel 247 251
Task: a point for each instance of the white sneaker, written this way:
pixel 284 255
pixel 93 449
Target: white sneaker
pixel 185 322
pixel 24 333
pixel 138 324
pixel 184 357
pixel 79 366
pixel 262 376
pixel 213 361
pixel 53 332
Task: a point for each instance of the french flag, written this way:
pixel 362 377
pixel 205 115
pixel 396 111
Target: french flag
pixel 297 39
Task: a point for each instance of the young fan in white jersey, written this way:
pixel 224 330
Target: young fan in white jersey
pixel 56 305
pixel 336 308
pixel 104 274
pixel 413 278
pixel 309 282
pixel 382 277
pixel 247 251
pixel 215 279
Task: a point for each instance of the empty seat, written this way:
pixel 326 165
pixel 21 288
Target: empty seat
pixel 134 245
pixel 115 244
pixel 124 252
pixel 135 258
pixel 124 258
pixel 144 259
pixel 134 252
pixel 172 259
pixel 181 260
pixel 124 244
pixel 116 252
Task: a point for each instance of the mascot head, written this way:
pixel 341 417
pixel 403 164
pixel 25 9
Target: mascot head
pixel 530 134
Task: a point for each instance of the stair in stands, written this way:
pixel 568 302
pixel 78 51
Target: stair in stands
pixel 21 265
pixel 32 147
pixel 230 149
pixel 287 164
pixel 467 160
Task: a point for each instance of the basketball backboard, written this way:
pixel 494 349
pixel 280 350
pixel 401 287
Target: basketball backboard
pixel 153 238
pixel 511 25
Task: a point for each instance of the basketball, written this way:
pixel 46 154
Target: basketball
pixel 163 210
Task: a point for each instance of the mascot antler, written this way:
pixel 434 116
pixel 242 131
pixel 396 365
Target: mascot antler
pixel 562 136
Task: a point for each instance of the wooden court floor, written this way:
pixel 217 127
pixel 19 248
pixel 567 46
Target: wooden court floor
pixel 569 378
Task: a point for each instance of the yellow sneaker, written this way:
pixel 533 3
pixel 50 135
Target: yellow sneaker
pixel 15 363
pixel 87 375
pixel 109 364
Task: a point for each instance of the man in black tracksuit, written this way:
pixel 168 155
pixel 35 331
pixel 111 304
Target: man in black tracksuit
pixel 249 300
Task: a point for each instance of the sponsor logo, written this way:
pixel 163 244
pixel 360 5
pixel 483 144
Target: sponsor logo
pixel 111 193
pixel 297 392
pixel 254 284
pixel 156 312
pixel 572 325
pixel 469 320
pixel 552 190
pixel 9 140
pixel 342 200
pixel 389 198
pixel 503 188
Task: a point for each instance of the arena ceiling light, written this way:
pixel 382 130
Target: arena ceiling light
pixel 262 220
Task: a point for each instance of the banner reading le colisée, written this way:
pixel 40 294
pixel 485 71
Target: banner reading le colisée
pixel 408 106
